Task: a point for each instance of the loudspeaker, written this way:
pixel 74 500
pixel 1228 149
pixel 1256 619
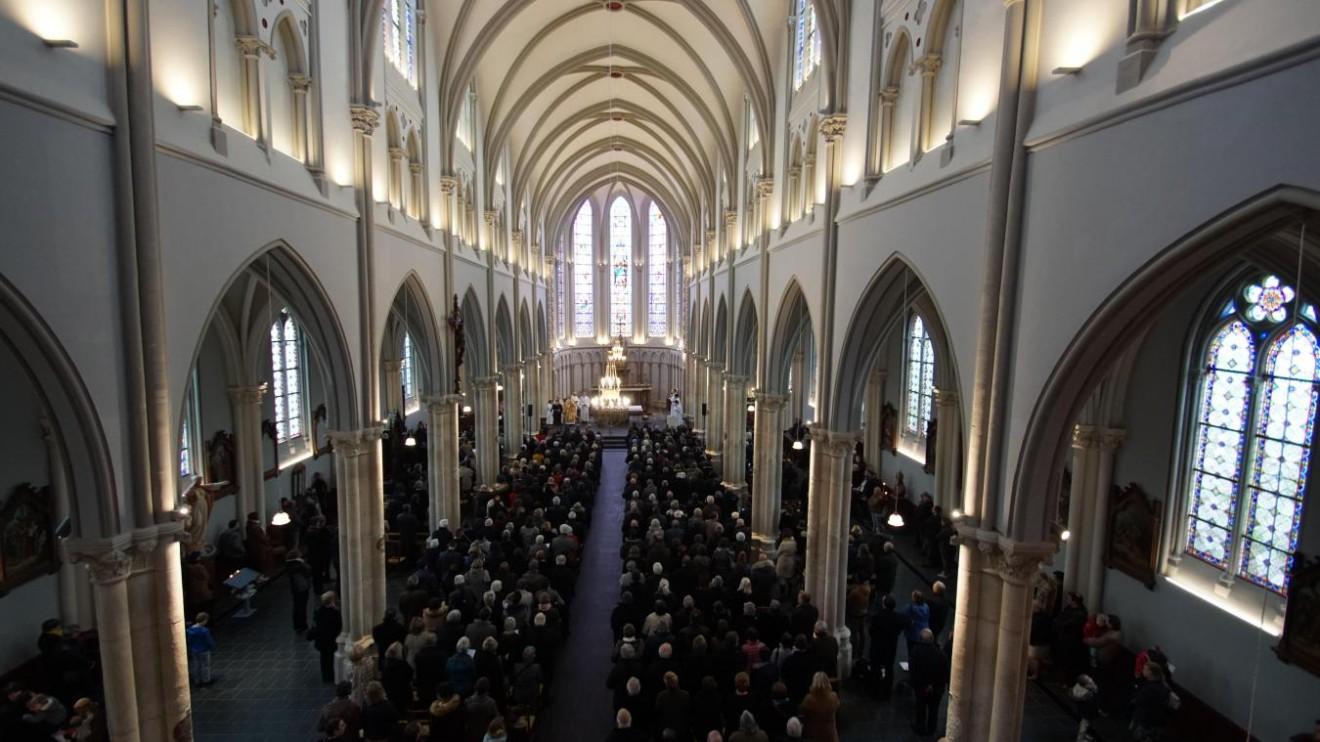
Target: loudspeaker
pixel 529 410
pixel 703 409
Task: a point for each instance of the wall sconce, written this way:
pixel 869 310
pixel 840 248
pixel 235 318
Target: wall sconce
pixel 467 409
pixel 970 122
pixel 1066 70
pixel 1065 535
pixel 60 43
pixel 189 107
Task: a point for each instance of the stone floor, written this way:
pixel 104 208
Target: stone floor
pixel 268 683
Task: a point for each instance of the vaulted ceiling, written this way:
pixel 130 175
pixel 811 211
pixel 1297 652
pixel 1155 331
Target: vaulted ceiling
pixel 586 92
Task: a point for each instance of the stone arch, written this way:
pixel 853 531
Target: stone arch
pixel 525 338
pixel 1264 225
pixel 476 355
pixel 703 345
pixel 504 347
pixel 412 312
pixel 792 331
pixel 69 413
pixel 894 293
pixel 542 329
pixel 745 337
pixel 720 334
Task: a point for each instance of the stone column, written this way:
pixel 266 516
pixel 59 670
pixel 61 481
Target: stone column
pixel 513 410
pixel 109 571
pixel 531 383
pixel 1015 572
pixel 486 408
pixel 735 437
pixel 715 411
pixel 875 402
pixel 442 453
pixel 929 64
pixel 1096 534
pixel 698 394
pixel 250 48
pixel 75 591
pixel 393 386
pixel 358 487
pixel 767 465
pixel 1084 445
pixel 547 379
pixel 948 452
pixel 300 84
pixel 245 401
pixel 797 410
pixel 828 503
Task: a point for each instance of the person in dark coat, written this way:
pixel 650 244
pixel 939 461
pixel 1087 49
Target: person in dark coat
pixel 407 524
pixel 938 603
pixel 886 627
pixel 380 720
pixel 328 622
pixel 886 569
pixel 930 674
pixel 673 708
pixel 798 669
pixel 388 631
pixel 300 584
pixel 397 675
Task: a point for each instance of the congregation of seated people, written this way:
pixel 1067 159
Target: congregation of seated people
pixel 478 629
pixel 713 638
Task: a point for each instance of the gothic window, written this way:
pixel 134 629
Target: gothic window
pixel 189 431
pixel 620 267
pixel 560 310
pixel 657 262
pixel 286 365
pixel 408 372
pixel 806 44
pixel 583 264
pixel 465 124
pixel 753 129
pixel 920 384
pixel 400 28
pixel 1256 415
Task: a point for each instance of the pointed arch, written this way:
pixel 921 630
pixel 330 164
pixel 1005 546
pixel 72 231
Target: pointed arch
pixel 412 314
pixel 792 332
pixel 476 355
pixel 622 231
pixel 526 341
pixel 745 338
pixel 504 347
pixel 720 334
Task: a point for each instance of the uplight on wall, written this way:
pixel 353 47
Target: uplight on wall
pixel 180 90
pixel 969 122
pixel 1066 71
pixel 50 21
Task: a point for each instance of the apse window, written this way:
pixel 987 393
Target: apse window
pixel 286 363
pixel 1252 445
pixel 620 267
pixel 919 387
pixel 657 267
pixel 806 44
pixel 408 375
pixel 399 27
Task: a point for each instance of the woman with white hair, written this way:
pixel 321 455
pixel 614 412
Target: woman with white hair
pixel 748 731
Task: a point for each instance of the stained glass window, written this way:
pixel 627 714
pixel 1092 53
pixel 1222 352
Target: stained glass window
pixel 583 263
pixel 286 377
pixel 621 267
pixel 560 322
pixel 1258 537
pixel 399 27
pixel 188 430
pixel 408 371
pixel 920 379
pixel 657 267
pixel 806 44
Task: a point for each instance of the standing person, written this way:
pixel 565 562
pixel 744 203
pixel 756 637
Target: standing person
pixel 300 583
pixel 380 719
pixel 325 633
pixel 930 672
pixel 918 614
pixel 200 646
pixel 886 627
pixel 342 708
pixel 1151 705
pixel 818 710
pixel 939 609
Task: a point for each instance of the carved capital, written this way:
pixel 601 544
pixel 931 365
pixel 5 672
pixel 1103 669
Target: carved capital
pixel 770 402
pixel 490 216
pixel 730 218
pixel 365 119
pixel 247 394
pixel 393 365
pixel 715 367
pixel 398 153
pixel 928 64
pixel 889 96
pixel 710 236
pixel 765 186
pixel 485 383
pixel 1112 438
pixel 946 397
pixel 110 566
pixel 249 46
pixel 300 82
pixel 517 237
pixel 415 168
pixel 513 369
pixel 833 126
pixel 448 184
pixel 354 443
pixel 1017 568
pixel 834 443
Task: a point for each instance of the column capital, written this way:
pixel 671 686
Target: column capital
pixel 771 402
pixel 835 443
pixel 715 366
pixel 929 64
pixel 354 443
pixel 485 383
pixel 1014 561
pixel 512 368
pixel 415 168
pixel 448 184
pixel 113 558
pixel 833 126
pixel 365 118
pixel 247 393
pixel 765 186
pixel 300 82
pixel 435 401
pixel 392 364
pixel 1097 437
pixel 489 216
pixel 889 95
pixel 730 217
pixel 710 236
pixel 734 378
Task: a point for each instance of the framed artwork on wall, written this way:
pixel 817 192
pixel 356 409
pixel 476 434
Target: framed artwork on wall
pixel 27 536
pixel 1134 534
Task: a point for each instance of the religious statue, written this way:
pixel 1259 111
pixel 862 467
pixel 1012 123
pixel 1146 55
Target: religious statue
pixel 220 467
pixel 460 343
pixel 199 514
pixel 931 431
pixel 889 428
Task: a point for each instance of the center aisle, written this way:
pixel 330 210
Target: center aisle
pixel 580 705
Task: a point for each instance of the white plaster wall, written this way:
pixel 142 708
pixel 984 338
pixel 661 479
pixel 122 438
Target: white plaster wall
pixel 72 78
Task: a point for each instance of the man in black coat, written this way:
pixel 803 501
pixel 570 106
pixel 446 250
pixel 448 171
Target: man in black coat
pixel 328 622
pixel 886 569
pixel 929 674
pixel 886 627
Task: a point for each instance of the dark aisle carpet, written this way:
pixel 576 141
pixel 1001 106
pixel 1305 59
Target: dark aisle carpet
pixel 579 707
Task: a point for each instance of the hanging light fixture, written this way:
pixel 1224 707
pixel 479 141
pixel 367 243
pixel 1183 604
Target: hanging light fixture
pixel 410 442
pixel 281 519
pixel 895 520
pixel 798 445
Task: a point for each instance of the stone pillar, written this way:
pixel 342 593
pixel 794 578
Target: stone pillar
pixel 925 139
pixel 250 48
pixel 797 409
pixel 948 452
pixel 300 84
pixel 531 384
pixel 442 453
pixel 735 437
pixel 1079 496
pixel 393 386
pixel 486 408
pixel 698 396
pixel 245 401
pixel 715 411
pixel 1088 510
pixel 547 379
pixel 875 402
pixel 991 627
pixel 828 504
pixel 358 487
pixel 76 607
pixel 513 410
pixel 767 465
pixel 109 570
